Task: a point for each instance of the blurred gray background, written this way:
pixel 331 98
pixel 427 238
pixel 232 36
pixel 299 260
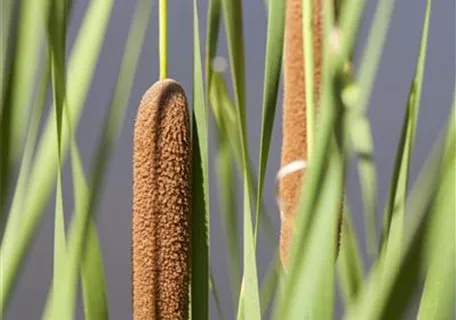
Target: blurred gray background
pixel 386 112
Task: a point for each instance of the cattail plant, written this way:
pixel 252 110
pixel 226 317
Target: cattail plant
pixel 295 145
pixel 326 126
pixel 162 204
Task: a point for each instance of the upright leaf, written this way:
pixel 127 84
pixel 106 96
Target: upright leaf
pixel 93 279
pixel 361 132
pixel 213 27
pixel 307 8
pixel 6 33
pixel 92 274
pixel 390 285
pixel 249 300
pixel 200 210
pixel 18 75
pixel 57 26
pixel 362 143
pixel 270 282
pixel 227 190
pixel 395 207
pixel 273 63
pixel 349 263
pixel 32 19
pixel 437 299
pixel 62 306
pixel 226 109
pixel 13 224
pixel 43 173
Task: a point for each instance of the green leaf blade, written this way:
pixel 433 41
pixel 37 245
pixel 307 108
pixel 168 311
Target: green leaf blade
pixel 437 299
pixel 93 279
pixel 273 64
pixel 395 207
pixel 249 300
pixel 393 280
pixel 349 263
pixel 57 26
pixel 200 207
pixel 213 28
pixel 42 176
pixel 64 304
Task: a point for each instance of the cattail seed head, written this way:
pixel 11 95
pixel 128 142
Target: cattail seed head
pixel 295 144
pixel 161 232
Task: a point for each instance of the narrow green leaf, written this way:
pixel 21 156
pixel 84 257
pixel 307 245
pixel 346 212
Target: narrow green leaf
pixel 349 263
pixel 226 109
pixel 13 224
pixel 6 32
pixel 249 300
pixel 93 279
pixel 57 26
pixel 63 305
pixel 18 77
pixel 59 231
pixel 414 261
pixel 395 207
pixel 213 28
pixel 390 285
pixel 373 52
pixel 214 290
pixel 307 8
pixel 270 282
pixel 439 294
pixel 92 272
pixel 439 291
pixel 32 23
pixel 200 263
pixel 200 211
pixel 361 133
pixel 273 64
pixel 350 20
pixel 362 142
pixel 227 190
pixel 43 173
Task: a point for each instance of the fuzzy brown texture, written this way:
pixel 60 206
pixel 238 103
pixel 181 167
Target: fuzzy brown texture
pixel 294 144
pixel 161 204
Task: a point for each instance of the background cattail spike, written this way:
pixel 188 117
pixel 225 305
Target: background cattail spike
pixel 295 143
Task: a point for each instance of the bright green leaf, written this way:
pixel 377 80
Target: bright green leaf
pixel 62 306
pixel 43 173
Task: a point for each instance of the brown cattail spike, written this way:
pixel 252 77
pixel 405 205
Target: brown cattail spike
pixel 294 145
pixel 161 204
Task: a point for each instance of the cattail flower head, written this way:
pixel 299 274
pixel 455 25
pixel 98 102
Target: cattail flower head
pixel 161 232
pixel 295 144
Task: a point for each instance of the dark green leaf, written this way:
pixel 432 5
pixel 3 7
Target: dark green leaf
pixel 200 210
